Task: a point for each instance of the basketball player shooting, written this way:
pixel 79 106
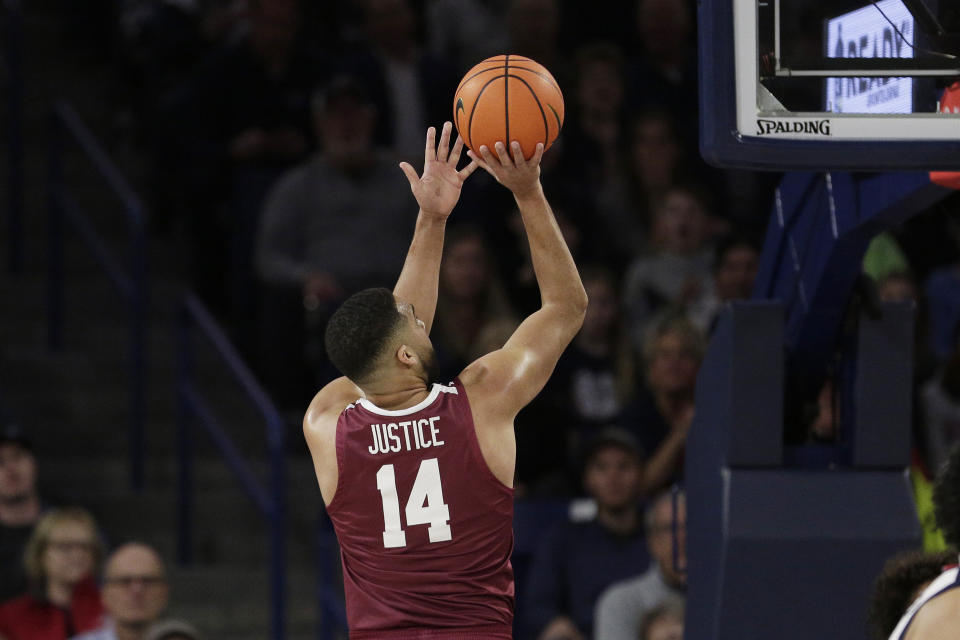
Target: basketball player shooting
pixel 417 477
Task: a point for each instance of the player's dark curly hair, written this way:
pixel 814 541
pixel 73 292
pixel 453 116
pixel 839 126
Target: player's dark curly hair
pixel 946 499
pixel 897 587
pixel 360 330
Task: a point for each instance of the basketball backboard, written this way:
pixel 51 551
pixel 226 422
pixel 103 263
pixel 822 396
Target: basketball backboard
pixel 840 85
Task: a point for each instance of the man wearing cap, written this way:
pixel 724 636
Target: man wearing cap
pixel 20 507
pixel 578 560
pixel 338 223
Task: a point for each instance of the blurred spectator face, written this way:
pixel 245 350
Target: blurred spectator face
pixel 533 21
pixel 664 27
pixel 660 538
pixel 680 223
pixel 600 87
pixel 135 588
pixel 673 364
pixel 346 125
pixel 274 27
pixel 897 288
pixel 612 478
pixel 68 554
pixel 656 151
pixel 391 24
pixel 18 473
pixel 666 627
pixel 736 273
pixel 465 272
pixel 603 309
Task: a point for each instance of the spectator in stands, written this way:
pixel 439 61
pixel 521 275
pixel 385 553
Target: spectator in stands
pixel 336 223
pixel 228 134
pixel 134 593
pixel 472 309
pixel 578 560
pixel 513 252
pixel 626 605
pixel 734 273
pixel 533 28
pixel 587 159
pixel 663 623
pixel 941 407
pixel 466 31
pixel 664 75
pixel 652 165
pixel 20 506
pixel 411 87
pixel 663 412
pixel 61 560
pixel 676 275
pixel 173 630
pixel 594 378
pixel 903 579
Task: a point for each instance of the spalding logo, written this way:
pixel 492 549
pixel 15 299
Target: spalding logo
pixel 813 127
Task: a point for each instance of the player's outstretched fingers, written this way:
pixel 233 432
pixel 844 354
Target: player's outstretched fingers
pixel 444 142
pixel 467 170
pixel 411 174
pixel 430 150
pixel 488 156
pixel 455 152
pixel 517 154
pixel 480 162
pixel 502 154
pixel 537 154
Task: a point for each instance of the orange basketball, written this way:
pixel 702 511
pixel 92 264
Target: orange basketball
pixel 508 98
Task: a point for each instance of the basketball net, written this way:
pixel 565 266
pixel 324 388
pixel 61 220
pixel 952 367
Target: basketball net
pixel 949 103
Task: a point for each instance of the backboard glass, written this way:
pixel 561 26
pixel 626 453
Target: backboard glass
pixel 846 84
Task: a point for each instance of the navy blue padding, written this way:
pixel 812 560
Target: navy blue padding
pixel 778 552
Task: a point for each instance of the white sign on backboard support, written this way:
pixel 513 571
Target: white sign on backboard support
pixel 884 30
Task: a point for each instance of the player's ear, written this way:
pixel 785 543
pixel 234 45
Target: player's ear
pixel 406 355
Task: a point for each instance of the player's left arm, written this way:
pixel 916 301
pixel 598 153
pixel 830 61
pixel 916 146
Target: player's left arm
pixel 437 192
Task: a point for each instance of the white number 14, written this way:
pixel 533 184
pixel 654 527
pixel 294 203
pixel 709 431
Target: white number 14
pixel 424 506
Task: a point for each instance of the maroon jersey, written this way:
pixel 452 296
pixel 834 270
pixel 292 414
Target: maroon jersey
pixel 425 528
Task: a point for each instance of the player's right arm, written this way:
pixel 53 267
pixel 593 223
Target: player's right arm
pixel 504 381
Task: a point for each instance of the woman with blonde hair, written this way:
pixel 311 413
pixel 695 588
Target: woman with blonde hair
pixel 61 560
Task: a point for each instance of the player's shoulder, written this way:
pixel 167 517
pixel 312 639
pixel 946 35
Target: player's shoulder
pixel 490 373
pixel 938 618
pixel 327 405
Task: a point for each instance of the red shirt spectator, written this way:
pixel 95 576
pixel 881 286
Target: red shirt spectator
pixel 61 559
pixel 34 618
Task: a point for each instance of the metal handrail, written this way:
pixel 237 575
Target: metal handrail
pixel 191 405
pixel 129 277
pixel 13 58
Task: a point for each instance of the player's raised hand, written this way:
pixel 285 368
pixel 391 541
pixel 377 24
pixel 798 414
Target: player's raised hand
pixel 521 176
pixel 438 189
